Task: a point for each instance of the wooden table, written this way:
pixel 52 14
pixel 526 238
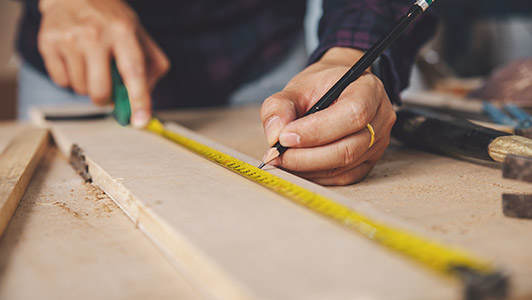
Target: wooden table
pixel 68 239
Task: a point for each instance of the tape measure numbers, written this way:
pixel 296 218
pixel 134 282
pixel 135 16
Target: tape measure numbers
pixel 479 277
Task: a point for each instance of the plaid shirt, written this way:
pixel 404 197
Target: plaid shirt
pixel 215 46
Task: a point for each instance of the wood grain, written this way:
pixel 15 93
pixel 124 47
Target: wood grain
pixel 239 240
pixel 69 240
pixel 456 200
pixel 17 164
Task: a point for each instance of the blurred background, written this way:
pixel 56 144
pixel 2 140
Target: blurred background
pixel 475 38
pixel 9 14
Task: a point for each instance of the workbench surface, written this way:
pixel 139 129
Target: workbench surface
pixel 68 239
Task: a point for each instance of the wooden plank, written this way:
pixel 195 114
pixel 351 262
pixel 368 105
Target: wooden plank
pixel 237 239
pixel 458 201
pixel 7 131
pixel 17 164
pixel 68 240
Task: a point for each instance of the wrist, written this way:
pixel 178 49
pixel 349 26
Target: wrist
pixel 341 56
pixel 45 5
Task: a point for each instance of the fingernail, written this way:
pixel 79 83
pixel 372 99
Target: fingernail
pixel 289 139
pixel 140 118
pixel 272 128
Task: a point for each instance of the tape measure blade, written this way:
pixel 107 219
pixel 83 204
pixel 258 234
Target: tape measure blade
pixel 428 252
pixel 357 205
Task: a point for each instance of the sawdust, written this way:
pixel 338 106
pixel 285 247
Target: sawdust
pixel 99 204
pixel 63 206
pixel 104 204
pixel 484 182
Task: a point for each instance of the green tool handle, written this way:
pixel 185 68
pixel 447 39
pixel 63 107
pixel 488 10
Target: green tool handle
pixel 122 108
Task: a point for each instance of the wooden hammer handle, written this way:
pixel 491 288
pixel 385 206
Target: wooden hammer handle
pixel 443 134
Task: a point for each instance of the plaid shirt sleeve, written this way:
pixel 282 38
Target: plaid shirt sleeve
pixel 359 24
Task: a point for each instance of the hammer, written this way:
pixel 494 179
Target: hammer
pixel 453 136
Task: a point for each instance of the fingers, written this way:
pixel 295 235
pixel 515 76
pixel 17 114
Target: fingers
pixel 55 67
pixel 99 77
pixel 277 111
pixel 75 65
pixel 330 147
pixel 75 58
pixel 346 175
pixel 48 47
pixel 355 108
pixel 131 65
pixel 369 156
pixel 351 176
pixel 78 40
pixel 343 152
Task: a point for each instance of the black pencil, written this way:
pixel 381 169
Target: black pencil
pixel 358 69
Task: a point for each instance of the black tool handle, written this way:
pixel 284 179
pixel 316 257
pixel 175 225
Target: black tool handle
pixel 443 134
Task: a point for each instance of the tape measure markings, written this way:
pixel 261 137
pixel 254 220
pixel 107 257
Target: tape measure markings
pixel 435 255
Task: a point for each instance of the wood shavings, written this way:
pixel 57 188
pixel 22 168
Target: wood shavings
pixel 63 206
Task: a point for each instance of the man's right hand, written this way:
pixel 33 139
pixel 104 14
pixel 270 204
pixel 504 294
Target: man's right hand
pixel 78 39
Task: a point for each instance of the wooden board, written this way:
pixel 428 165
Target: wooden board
pixel 458 201
pixel 68 240
pixel 18 161
pixel 237 239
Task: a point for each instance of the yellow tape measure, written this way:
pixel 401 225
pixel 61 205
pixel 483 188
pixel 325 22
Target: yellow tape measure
pixel 480 278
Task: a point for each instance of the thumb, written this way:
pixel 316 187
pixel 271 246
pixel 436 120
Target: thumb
pixel 276 112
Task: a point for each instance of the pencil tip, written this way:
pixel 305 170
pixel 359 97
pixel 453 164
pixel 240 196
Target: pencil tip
pixel 269 157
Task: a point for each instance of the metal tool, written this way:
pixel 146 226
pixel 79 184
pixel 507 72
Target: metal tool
pixel 524 125
pixel 517 118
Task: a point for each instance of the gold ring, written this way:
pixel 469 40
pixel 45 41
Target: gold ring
pixel 372 135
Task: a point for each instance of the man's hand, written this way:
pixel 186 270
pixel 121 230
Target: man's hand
pixel 78 39
pixel 329 147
